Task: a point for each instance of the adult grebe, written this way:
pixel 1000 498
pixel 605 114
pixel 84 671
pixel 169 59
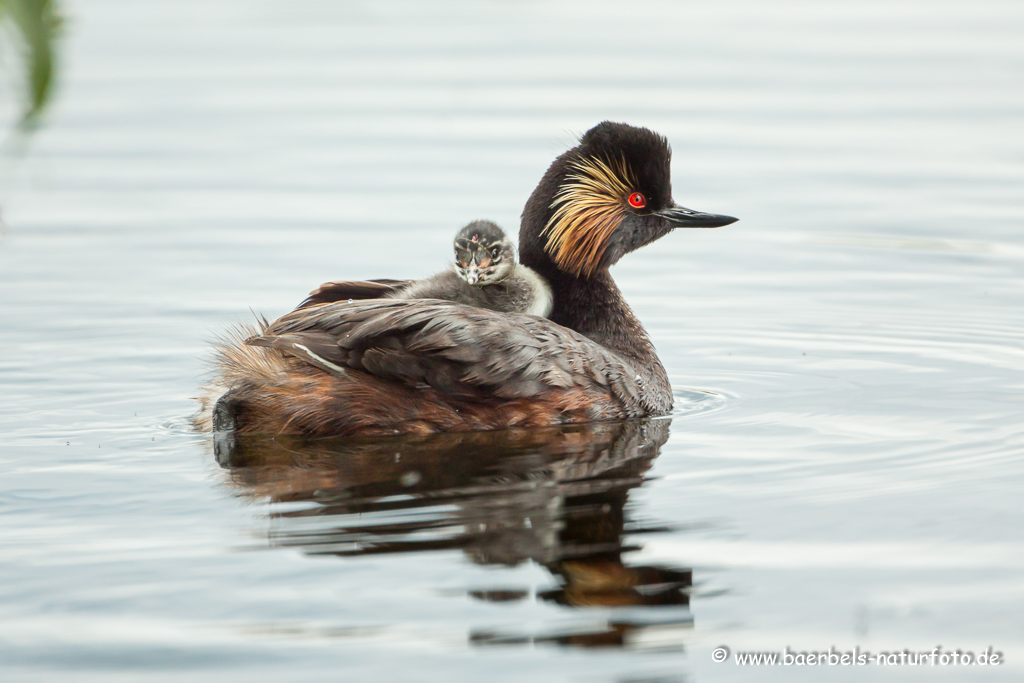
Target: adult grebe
pixel 366 365
pixel 485 275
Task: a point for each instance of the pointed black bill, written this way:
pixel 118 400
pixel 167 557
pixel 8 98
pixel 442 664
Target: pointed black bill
pixel 678 217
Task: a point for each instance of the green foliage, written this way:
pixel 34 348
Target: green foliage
pixel 35 25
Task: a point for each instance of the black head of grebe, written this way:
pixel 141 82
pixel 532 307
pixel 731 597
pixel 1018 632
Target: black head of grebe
pixel 610 195
pixel 601 200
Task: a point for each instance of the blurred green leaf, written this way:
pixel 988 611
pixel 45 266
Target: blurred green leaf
pixel 36 24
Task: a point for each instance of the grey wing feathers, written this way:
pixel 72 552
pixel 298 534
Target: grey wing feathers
pixel 453 348
pixel 343 290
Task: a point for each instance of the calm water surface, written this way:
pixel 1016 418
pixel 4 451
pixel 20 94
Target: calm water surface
pixel 846 459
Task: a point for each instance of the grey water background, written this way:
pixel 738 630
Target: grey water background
pixel 845 465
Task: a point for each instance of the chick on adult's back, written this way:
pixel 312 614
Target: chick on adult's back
pixel 486 275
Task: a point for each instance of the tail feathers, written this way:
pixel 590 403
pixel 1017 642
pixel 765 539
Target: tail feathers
pixel 235 363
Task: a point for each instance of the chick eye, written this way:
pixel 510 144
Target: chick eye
pixel 637 200
pixel 495 252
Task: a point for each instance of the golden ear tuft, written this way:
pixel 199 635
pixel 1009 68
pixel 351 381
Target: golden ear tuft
pixel 588 208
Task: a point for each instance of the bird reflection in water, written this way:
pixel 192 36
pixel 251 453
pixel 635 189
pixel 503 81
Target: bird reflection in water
pixel 554 496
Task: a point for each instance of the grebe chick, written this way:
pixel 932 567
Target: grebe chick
pixel 485 275
pixel 378 365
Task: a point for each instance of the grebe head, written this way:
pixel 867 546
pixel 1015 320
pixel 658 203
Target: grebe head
pixel 483 254
pixel 608 196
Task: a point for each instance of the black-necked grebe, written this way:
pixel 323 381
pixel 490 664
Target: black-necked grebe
pixel 371 365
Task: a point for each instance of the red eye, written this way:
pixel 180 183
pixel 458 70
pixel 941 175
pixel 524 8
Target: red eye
pixel 637 201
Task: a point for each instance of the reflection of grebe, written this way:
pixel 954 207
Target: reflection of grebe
pixel 418 366
pixel 485 275
pixel 554 496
